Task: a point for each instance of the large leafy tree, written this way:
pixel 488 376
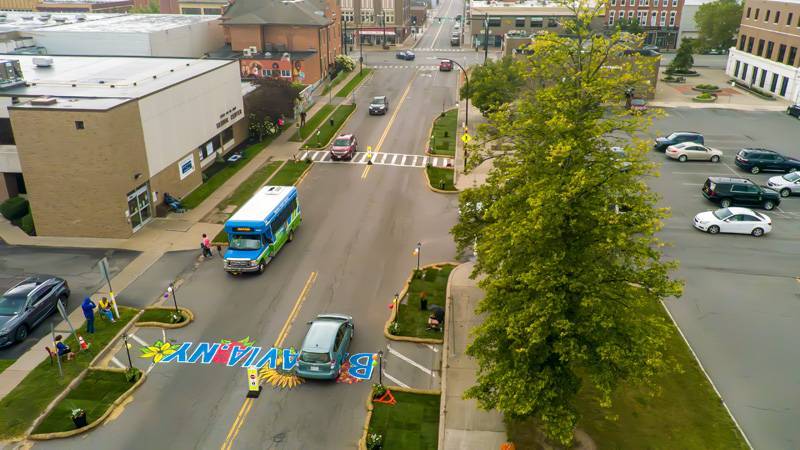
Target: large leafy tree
pixel 564 234
pixel 683 60
pixel 629 25
pixel 718 22
pixel 493 84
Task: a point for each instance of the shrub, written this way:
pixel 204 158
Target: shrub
pixel 132 375
pixel 344 62
pixel 26 223
pixel 374 441
pixel 705 96
pixel 14 208
pixel 378 390
pixel 707 87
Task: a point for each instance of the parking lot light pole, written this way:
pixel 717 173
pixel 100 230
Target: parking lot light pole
pixel 171 290
pixel 380 367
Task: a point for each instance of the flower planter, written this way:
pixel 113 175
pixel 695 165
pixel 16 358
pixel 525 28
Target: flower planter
pixel 708 91
pixel 705 100
pixel 79 420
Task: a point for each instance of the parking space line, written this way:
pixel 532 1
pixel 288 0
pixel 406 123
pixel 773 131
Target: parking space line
pixel 410 361
pixel 730 168
pixel 138 340
pixel 433 349
pixel 117 363
pixel 395 380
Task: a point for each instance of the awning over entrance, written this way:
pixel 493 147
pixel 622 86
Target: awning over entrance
pixel 376 32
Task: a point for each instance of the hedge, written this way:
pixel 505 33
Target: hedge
pixel 14 208
pixel 26 223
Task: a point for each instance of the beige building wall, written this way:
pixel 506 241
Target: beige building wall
pixel 168 180
pixel 78 180
pixel 244 36
pixel 18 5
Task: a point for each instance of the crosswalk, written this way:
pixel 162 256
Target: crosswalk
pixel 423 67
pixel 381 159
pixel 442 50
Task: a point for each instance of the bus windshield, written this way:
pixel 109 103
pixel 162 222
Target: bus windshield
pixel 245 242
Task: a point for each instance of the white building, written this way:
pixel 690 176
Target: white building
pixel 687 28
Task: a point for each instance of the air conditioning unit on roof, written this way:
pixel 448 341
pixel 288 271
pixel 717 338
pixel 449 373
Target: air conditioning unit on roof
pixel 246 52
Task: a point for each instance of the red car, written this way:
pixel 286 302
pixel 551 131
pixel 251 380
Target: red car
pixel 344 146
pixel 445 65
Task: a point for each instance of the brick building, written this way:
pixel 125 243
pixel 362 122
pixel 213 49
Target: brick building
pixel 766 51
pixel 374 19
pixel 659 19
pixel 294 40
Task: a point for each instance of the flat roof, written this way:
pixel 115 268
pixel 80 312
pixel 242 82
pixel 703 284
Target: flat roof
pixel 23 20
pixel 262 204
pixel 134 23
pixel 532 6
pixel 102 82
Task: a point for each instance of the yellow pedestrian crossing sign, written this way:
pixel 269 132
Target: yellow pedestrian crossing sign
pixel 465 138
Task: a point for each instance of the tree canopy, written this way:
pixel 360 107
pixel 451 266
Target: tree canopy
pixel 629 25
pixel 718 23
pixel 683 60
pixel 152 7
pixel 493 84
pixel 565 235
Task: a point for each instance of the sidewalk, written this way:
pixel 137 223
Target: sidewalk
pixel 462 424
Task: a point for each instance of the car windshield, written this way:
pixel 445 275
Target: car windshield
pixel 341 142
pixel 792 177
pixel 242 242
pixel 312 357
pixel 723 213
pixel 378 101
pixel 673 136
pixel 11 305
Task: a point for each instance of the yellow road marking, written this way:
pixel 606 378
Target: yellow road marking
pixel 248 402
pixel 389 125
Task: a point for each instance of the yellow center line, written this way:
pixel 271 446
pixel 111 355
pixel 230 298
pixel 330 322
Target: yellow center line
pixel 248 402
pixel 389 125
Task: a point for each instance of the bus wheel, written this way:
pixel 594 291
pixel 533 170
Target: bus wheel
pixel 291 236
pixel 261 267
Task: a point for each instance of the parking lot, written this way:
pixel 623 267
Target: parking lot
pixel 740 306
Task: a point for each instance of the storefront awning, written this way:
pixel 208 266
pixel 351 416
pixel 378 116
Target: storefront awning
pixel 376 32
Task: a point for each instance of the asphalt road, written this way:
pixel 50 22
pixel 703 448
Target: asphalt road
pixel 353 251
pixel 741 300
pixel 77 266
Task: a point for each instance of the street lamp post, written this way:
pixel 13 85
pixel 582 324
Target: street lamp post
pixel 419 251
pixel 380 367
pixel 361 50
pixel 344 36
pixel 485 38
pixel 384 28
pixel 171 290
pixel 127 350
pixel 466 111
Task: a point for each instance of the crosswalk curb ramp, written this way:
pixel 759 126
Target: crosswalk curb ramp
pixel 381 159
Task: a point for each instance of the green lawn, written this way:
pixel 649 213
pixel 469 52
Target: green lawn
pixel 249 187
pixel 326 131
pixel 413 321
pixel 97 391
pixel 339 77
pixel 312 123
pixel 441 178
pixel 686 415
pixel 221 176
pixel 411 424
pixel 4 363
pixel 163 315
pixel 22 405
pixel 345 91
pixel 441 145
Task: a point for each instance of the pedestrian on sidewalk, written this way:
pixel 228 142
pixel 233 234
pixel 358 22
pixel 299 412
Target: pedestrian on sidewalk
pixel 63 349
pixel 104 307
pixel 302 118
pixel 206 246
pixel 88 307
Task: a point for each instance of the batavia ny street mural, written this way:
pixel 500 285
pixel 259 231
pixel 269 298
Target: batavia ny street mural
pixel 275 365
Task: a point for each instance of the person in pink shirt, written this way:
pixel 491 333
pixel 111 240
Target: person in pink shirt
pixel 206 246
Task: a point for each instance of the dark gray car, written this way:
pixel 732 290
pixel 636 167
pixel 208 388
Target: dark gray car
pixel 27 304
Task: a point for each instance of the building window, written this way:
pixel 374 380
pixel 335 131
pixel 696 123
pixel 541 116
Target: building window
pixel 674 3
pixel 552 23
pixel 286 73
pixel 781 52
pixel 744 71
pixel 777 16
pixel 756 17
pixel 494 22
pixel 774 83
pixel 736 69
pixel 6 133
pixel 672 18
pixel 753 75
pixel 748 12
pixel 653 18
pixel 770 47
pixel 519 22
pixel 610 18
pixel 792 56
pixel 212 11
pixel 536 22
pixel 367 16
pixel 613 2
pixel 630 15
pixel 763 78
pixel 750 41
pixel 389 17
pixel 663 21
pixel 79 125
pixel 196 11
pixel 227 134
pixel 347 15
pixel 742 40
pixel 664 3
pixel 760 50
pixel 621 2
pixel 642 3
pixel 789 19
pixel 766 17
pixel 210 147
pixel 784 85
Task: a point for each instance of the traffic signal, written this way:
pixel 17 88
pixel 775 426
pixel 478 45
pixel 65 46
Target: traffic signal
pixel 413 20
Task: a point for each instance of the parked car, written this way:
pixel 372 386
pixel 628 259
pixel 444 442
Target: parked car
pixel 455 40
pixel 405 55
pixel 676 138
pixel 733 220
pixel 27 304
pixel 638 105
pixel 325 346
pixel 754 160
pixel 729 191
pixel 794 110
pixel 344 146
pixel 379 105
pixel 445 65
pixel 689 151
pixel 786 185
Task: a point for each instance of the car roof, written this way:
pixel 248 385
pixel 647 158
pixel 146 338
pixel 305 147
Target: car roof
pixel 28 284
pixel 730 180
pixel 740 210
pixel 762 150
pixel 321 335
pixel 686 144
pixel 344 136
pixel 379 97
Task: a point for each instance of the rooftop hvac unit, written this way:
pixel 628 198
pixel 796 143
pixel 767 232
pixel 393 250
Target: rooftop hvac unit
pixel 27 17
pixel 42 61
pixel 253 50
pixel 10 73
pixel 80 17
pixel 60 19
pixel 44 101
pixel 246 52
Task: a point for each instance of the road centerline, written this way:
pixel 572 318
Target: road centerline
pixel 391 121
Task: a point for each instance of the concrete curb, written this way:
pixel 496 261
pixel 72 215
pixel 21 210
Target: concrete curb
pixel 362 443
pixel 335 133
pixel 187 314
pixel 448 310
pixel 440 191
pixel 99 421
pixel 369 75
pixel 402 294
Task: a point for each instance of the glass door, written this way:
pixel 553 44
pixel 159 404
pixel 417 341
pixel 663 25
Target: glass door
pixel 139 206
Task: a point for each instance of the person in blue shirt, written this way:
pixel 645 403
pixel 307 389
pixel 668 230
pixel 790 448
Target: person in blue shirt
pixel 88 307
pixel 63 349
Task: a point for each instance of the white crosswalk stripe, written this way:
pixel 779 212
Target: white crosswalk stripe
pixel 381 159
pixel 428 49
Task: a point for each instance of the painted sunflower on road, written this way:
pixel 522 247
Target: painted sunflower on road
pixel 157 351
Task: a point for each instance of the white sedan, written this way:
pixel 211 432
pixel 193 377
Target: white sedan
pixel 733 220
pixel 786 184
pixel 691 151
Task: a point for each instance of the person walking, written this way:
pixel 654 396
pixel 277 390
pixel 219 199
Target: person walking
pixel 206 245
pixel 88 307
pixel 302 118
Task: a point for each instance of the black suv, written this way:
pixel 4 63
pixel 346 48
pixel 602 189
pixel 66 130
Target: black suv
pixel 676 138
pixel 739 191
pixel 379 105
pixel 793 110
pixel 754 160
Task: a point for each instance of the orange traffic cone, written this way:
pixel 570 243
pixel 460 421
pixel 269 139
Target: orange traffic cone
pixel 83 344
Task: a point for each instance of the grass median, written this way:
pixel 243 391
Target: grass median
pixel 687 413
pixel 312 123
pixel 161 315
pixel 443 134
pixel 441 178
pixel 339 78
pixel 327 130
pixel 244 191
pixel 413 321
pixel 20 407
pixel 95 394
pixel 5 363
pixel 411 424
pixel 355 81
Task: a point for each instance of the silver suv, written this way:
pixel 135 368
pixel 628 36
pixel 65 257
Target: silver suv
pixel 27 304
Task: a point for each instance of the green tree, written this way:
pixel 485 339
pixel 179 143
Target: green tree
pixel 683 60
pixel 718 23
pixel 493 84
pixel 629 26
pixel 151 8
pixel 565 236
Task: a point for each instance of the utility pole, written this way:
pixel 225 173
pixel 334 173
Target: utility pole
pixel 344 36
pixel 384 28
pixel 361 49
pixel 485 38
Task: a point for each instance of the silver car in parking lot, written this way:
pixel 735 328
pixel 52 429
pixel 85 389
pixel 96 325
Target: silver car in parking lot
pixel 27 304
pixel 786 184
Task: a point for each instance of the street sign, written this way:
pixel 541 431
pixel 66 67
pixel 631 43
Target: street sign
pixel 103 266
pixel 253 388
pixel 465 138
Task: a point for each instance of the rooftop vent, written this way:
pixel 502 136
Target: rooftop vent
pixel 44 101
pixel 80 17
pixel 60 19
pixel 27 17
pixel 42 61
